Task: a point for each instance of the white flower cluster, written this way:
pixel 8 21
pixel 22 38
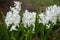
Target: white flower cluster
pixel 13 16
pixel 28 18
pixel 51 14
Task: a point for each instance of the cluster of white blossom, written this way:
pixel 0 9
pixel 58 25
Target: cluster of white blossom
pixel 28 18
pixel 13 16
pixel 51 14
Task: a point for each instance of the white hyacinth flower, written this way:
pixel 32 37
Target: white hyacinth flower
pixel 51 14
pixel 13 16
pixel 28 18
pixel 43 19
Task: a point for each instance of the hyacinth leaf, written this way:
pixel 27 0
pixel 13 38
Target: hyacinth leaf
pixel 56 31
pixel 3 32
pixel 29 33
pixel 3 16
pixel 37 20
pixel 42 31
pixel 57 26
pixel 48 32
pixel 20 31
pixel 12 35
pixel 57 36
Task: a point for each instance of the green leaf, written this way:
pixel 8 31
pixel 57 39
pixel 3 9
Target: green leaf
pixel 48 32
pixel 37 27
pixel 20 32
pixel 3 16
pixel 3 32
pixel 42 31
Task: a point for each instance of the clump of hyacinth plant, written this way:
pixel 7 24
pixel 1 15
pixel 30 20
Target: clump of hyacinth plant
pixel 49 19
pixel 13 16
pixel 30 24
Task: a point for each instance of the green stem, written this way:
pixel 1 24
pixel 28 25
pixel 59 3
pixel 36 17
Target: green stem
pixel 21 37
pixel 3 16
pixel 31 38
pixel 20 30
pixel 56 31
pixel 48 32
pixel 42 32
pixel 12 36
pixel 26 37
